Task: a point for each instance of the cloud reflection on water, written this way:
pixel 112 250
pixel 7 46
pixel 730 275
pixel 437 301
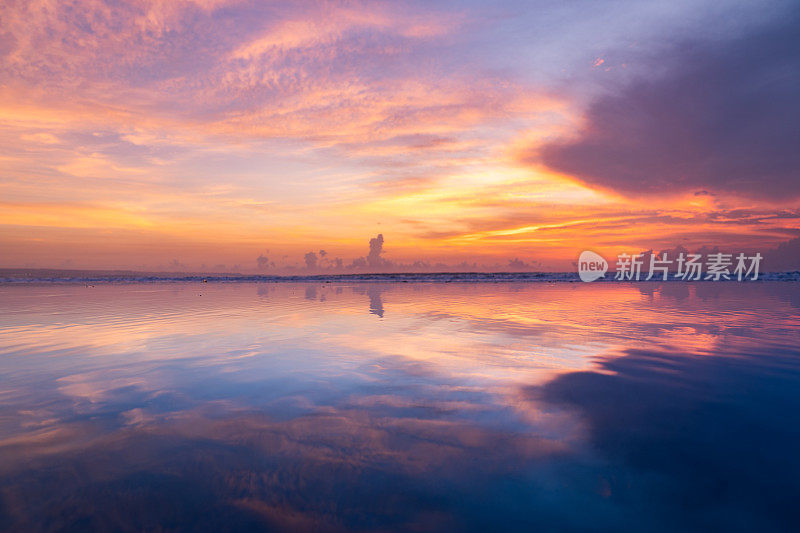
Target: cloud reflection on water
pixel 642 406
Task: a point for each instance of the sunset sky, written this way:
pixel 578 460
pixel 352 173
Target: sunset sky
pixel 201 135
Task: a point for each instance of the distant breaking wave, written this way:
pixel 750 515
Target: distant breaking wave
pixel 442 277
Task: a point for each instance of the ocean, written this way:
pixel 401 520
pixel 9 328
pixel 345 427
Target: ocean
pixel 399 404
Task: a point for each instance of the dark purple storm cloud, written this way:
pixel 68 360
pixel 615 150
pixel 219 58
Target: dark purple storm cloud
pixel 725 117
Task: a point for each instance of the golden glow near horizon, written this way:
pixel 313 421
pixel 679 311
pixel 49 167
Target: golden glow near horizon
pixel 199 135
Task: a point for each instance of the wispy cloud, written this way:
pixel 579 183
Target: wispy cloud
pixel 455 130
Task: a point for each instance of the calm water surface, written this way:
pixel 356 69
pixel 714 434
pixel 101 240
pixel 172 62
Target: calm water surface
pixel 427 406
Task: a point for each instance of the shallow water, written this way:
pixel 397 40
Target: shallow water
pixel 427 406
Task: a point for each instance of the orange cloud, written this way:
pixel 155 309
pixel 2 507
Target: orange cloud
pixel 293 126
